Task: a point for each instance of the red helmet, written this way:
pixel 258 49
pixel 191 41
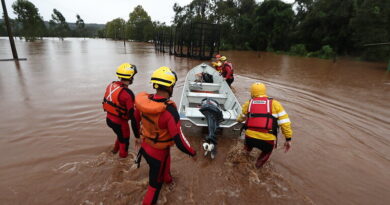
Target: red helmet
pixel 217 56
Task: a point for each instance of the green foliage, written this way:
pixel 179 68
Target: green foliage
pixel 326 52
pixel 140 26
pixel 298 49
pixel 115 29
pixel 371 24
pixel 32 25
pixel 319 28
pixel 58 24
pixel 2 29
pixel 273 24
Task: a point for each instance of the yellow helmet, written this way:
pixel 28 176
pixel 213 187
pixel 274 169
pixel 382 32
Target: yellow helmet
pixel 222 58
pixel 164 76
pixel 258 89
pixel 126 71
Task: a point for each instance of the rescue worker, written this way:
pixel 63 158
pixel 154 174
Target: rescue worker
pixel 263 116
pixel 118 102
pixel 227 70
pixel 159 123
pixel 217 64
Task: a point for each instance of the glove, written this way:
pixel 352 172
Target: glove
pixel 241 118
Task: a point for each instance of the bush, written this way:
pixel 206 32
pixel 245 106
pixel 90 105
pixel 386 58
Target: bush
pixel 298 49
pixel 226 46
pixel 326 52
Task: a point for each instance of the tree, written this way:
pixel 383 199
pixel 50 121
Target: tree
pixel 2 29
pixel 58 24
pixel 28 16
pixel 115 29
pixel 371 24
pixel 80 26
pixel 328 23
pixel 274 20
pixel 140 26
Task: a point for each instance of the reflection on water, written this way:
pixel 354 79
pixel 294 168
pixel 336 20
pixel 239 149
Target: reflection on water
pixel 54 144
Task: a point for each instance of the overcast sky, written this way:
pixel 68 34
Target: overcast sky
pixel 102 11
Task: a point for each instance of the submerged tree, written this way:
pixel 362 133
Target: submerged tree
pixel 80 26
pixel 140 26
pixel 32 25
pixel 58 24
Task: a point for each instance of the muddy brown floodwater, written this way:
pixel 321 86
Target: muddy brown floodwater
pixel 54 143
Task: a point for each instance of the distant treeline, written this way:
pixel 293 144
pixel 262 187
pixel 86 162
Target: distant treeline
pixel 90 30
pixel 30 25
pixel 139 27
pixel 317 28
pixel 320 28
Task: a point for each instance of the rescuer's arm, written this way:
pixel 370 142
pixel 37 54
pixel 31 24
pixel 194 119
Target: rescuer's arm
pixel 135 122
pixel 129 99
pixel 283 120
pixel 244 112
pixel 174 129
pixel 284 123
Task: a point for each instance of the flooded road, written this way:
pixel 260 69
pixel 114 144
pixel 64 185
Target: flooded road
pixel 54 143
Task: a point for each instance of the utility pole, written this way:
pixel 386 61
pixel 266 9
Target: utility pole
pixel 9 31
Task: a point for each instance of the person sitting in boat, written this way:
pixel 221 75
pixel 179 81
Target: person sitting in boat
pixel 227 70
pixel 160 127
pixel 118 102
pixel 217 64
pixel 263 116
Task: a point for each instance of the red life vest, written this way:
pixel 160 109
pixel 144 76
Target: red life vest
pixel 260 115
pixel 111 100
pixel 224 72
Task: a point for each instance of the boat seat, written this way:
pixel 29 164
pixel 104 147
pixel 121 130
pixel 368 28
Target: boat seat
pixel 196 97
pixel 195 113
pixel 208 87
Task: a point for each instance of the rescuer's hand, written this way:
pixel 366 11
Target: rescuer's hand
pixel 241 118
pixel 287 146
pixel 137 143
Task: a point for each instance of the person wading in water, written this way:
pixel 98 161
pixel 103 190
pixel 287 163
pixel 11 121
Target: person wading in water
pixel 159 123
pixel 263 116
pixel 227 70
pixel 118 102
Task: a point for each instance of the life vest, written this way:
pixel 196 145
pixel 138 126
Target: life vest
pixel 151 111
pixel 260 116
pixel 111 100
pixel 217 65
pixel 223 70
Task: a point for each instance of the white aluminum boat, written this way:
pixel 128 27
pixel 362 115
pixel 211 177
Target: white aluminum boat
pixel 195 91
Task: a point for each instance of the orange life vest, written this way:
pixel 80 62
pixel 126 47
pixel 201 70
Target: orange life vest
pixel 150 114
pixel 111 100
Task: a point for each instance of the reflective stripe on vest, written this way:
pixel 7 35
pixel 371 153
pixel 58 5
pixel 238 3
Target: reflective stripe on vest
pixel 111 101
pixel 260 115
